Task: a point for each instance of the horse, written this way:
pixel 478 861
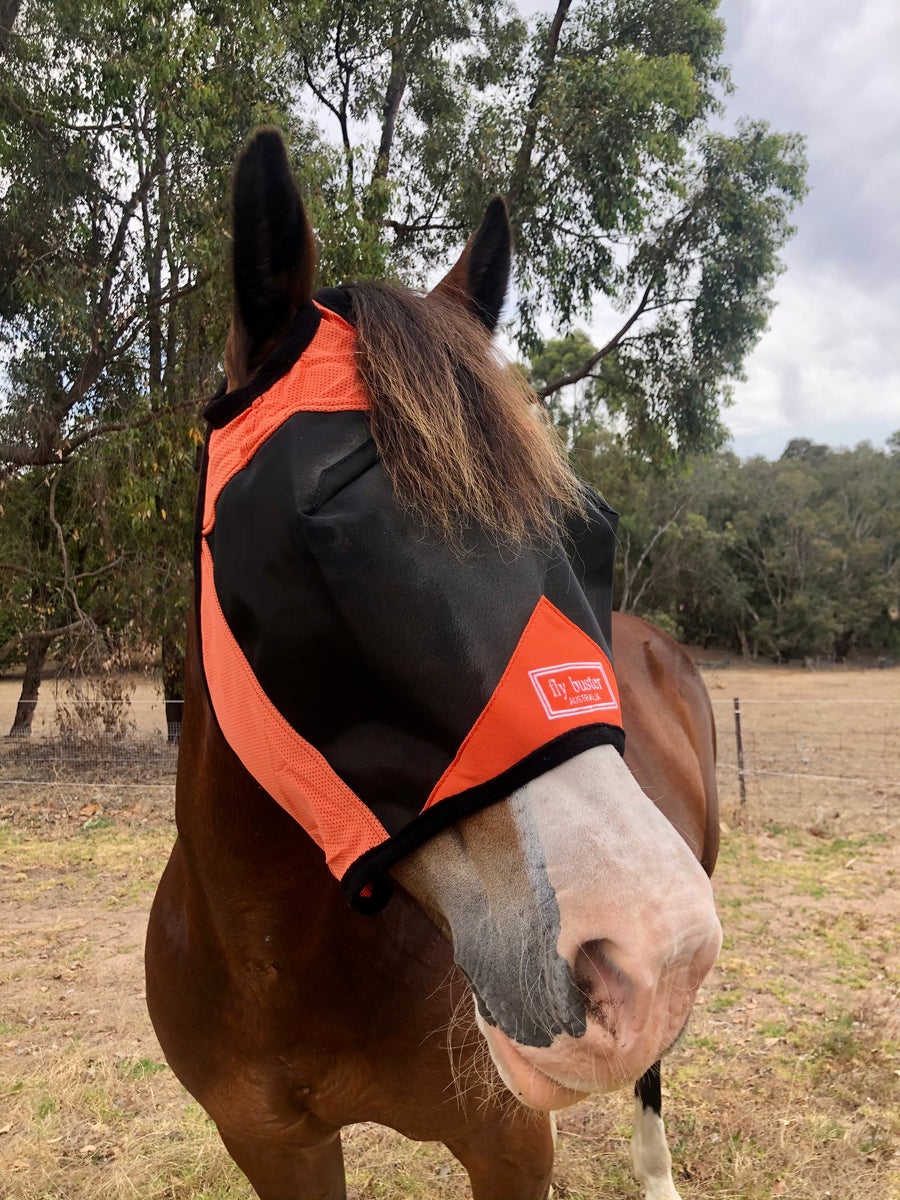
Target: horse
pixel 510 945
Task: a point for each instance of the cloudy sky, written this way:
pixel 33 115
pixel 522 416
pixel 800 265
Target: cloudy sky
pixel 829 366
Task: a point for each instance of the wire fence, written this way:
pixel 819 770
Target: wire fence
pixel 80 738
pixel 829 764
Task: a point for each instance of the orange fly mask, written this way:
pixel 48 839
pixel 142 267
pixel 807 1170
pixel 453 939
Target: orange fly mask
pixel 378 683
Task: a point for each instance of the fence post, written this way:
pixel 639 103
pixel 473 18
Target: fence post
pixel 742 782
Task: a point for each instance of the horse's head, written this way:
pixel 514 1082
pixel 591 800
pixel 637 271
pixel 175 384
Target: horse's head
pixel 462 708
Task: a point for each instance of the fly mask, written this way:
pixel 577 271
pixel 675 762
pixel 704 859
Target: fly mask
pixel 378 682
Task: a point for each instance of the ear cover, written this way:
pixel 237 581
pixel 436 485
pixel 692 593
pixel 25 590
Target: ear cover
pixel 480 277
pixel 274 252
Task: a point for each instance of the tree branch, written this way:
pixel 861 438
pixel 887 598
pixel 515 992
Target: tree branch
pixel 18 454
pixel 95 359
pixel 136 318
pixel 68 583
pixel 424 227
pixel 9 10
pixel 73 444
pixel 345 70
pixel 110 566
pixel 660 531
pixel 588 365
pixel 13 643
pixel 339 113
pixel 14 455
pixel 522 165
pixel 392 99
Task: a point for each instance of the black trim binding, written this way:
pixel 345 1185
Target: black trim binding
pixel 365 883
pixel 225 406
pixel 197 552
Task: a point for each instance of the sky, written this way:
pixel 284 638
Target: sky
pixel 828 368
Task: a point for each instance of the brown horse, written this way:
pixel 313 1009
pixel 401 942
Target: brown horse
pixel 546 943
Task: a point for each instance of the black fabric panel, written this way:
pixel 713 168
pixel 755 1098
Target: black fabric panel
pixel 591 548
pixel 378 642
pixel 272 594
pixel 434 626
pixel 338 300
pixel 368 873
pixel 340 474
pixel 225 406
pixel 283 614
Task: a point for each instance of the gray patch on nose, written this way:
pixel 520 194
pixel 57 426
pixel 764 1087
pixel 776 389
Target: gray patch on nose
pixel 506 947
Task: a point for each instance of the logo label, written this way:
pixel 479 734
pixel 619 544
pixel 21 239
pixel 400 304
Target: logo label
pixel 573 688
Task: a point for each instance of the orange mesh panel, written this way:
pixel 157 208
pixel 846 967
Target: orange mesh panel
pixel 323 379
pixel 557 679
pixel 291 770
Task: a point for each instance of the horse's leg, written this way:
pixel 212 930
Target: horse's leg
pixel 649 1150
pixel 509 1160
pixel 279 1169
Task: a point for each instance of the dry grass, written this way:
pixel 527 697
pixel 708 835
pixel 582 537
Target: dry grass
pixel 787 1083
pixel 820 747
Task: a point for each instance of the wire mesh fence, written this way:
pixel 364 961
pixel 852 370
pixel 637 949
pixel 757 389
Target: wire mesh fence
pixel 77 736
pixel 824 763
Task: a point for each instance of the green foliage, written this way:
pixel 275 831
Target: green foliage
pixel 560 357
pixel 708 270
pixel 121 122
pixel 574 409
pixel 121 125
pixel 785 558
pixel 396 83
pixel 594 125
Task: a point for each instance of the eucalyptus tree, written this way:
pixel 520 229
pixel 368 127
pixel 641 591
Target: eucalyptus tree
pixel 859 513
pixel 794 558
pixel 594 120
pixel 120 122
pixel 573 409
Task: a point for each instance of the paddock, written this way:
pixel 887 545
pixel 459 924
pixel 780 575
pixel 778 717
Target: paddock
pixel 787 1082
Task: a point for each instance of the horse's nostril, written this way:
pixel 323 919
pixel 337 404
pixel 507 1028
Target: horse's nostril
pixel 605 987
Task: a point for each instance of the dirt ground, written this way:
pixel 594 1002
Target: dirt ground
pixel 820 747
pixel 786 1085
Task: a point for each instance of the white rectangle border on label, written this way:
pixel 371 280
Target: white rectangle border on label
pixel 601 706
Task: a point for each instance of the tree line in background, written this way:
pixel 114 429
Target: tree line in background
pixel 597 120
pixel 793 559
pixel 798 558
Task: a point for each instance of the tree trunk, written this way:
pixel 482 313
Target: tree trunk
pixel 9 10
pixel 173 686
pixel 522 165
pixel 31 685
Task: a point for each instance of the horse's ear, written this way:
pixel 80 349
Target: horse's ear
pixel 274 251
pixel 480 276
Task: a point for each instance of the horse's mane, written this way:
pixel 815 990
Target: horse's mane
pixel 461 435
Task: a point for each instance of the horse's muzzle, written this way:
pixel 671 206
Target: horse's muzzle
pixel 631 1017
pixel 582 921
